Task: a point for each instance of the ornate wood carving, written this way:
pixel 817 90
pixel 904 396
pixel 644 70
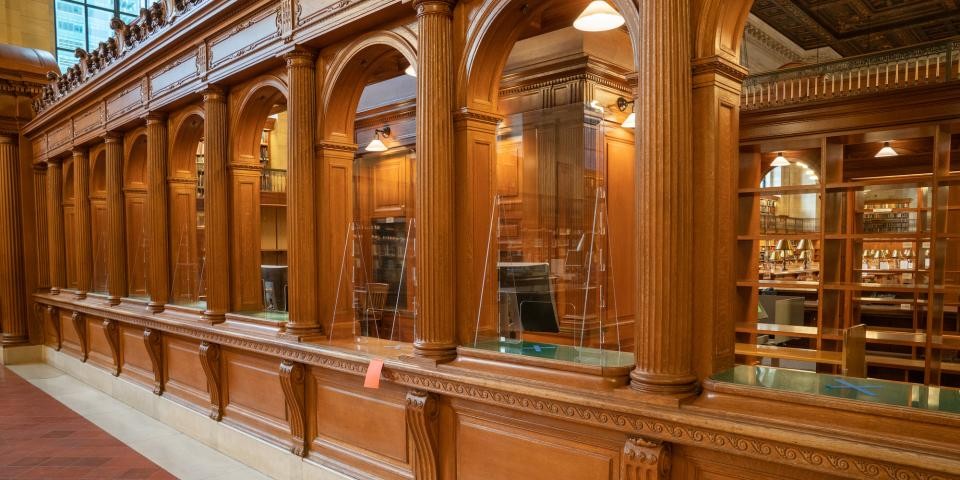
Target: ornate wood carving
pixel 293 382
pixel 54 314
pixel 422 412
pixel 153 340
pixel 645 460
pixel 111 328
pixel 80 325
pixel 210 361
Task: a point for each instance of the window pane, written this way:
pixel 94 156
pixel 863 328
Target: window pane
pixel 131 6
pixel 98 25
pixel 65 59
pixel 127 18
pixel 71 28
pixel 101 3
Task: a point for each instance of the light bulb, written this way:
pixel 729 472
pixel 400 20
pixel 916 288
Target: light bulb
pixel 780 161
pixel 886 151
pixel 599 16
pixel 410 71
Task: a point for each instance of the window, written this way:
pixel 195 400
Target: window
pixel 86 23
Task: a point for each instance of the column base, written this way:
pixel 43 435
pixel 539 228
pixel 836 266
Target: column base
pixel 438 353
pixel 54 291
pixel 24 353
pixel 679 386
pixel 154 307
pixel 78 295
pixel 114 301
pixel 14 340
pixel 309 334
pixel 213 317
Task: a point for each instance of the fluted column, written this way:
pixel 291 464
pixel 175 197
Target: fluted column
pixel 84 237
pixel 301 195
pixel 217 260
pixel 40 220
pixel 158 276
pixel 116 260
pixel 436 271
pixel 664 201
pixel 56 241
pixel 13 310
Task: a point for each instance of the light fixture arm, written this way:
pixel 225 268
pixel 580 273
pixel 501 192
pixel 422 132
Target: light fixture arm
pixel 623 103
pixel 385 131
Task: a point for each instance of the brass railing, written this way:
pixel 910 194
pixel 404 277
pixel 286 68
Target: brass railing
pixel 929 63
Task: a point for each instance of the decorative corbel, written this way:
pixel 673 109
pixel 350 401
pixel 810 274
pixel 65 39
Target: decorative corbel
pixel 154 343
pixel 210 361
pixel 645 460
pixel 111 328
pixel 293 382
pixel 422 412
pixel 80 325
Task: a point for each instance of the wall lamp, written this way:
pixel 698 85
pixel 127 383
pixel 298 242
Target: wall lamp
pixel 631 121
pixel 376 145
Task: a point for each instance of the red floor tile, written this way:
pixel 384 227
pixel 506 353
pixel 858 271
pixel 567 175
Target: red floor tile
pixel 42 438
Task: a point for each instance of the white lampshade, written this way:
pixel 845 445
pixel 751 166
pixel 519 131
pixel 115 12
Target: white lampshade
pixel 780 161
pixel 599 16
pixel 886 151
pixel 630 122
pixel 410 71
pixel 376 145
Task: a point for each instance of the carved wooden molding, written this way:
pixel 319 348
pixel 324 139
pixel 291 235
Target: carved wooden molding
pixel 154 343
pixel 645 460
pixel 54 313
pixel 422 412
pixel 293 382
pixel 210 361
pixel 745 445
pixel 111 328
pixel 80 325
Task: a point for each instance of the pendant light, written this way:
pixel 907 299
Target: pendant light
pixel 780 161
pixel 886 151
pixel 599 16
pixel 376 145
pixel 410 71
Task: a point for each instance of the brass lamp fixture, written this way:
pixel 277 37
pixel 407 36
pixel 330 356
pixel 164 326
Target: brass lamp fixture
pixel 806 251
pixel 785 250
pixel 376 145
pixel 631 121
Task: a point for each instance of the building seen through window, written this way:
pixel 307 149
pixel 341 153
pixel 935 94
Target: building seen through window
pixel 86 23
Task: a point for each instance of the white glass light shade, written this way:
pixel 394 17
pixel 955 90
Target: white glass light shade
pixel 376 145
pixel 630 122
pixel 886 151
pixel 599 16
pixel 780 161
pixel 410 71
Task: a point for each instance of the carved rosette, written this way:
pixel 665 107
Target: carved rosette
pixel 111 328
pixel 154 343
pixel 80 325
pixel 645 460
pixel 422 412
pixel 293 382
pixel 210 361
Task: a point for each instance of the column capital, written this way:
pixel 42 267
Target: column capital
pixel 720 65
pixel 214 93
pixel 300 57
pixel 155 117
pixel 79 151
pixel 113 137
pixel 54 161
pixel 10 138
pixel 433 7
pixel 39 166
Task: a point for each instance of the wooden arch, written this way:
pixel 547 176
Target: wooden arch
pixel 187 131
pixel 135 158
pixel 354 66
pixel 492 35
pixel 98 170
pixel 718 27
pixel 256 100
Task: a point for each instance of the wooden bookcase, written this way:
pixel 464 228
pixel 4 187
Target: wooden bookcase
pixel 882 248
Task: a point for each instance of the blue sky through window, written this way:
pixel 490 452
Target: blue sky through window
pixel 86 23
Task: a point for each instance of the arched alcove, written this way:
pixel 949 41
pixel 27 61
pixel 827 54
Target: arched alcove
pixel 186 194
pixel 70 222
pixel 98 217
pixel 135 210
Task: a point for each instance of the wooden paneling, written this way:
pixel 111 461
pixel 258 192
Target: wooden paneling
pixel 389 180
pixel 98 218
pixel 100 353
pixel 136 361
pixel 71 340
pixel 184 376
pixel 360 427
pixel 248 378
pixel 246 242
pixel 699 464
pixel 621 188
pixel 135 214
pixel 70 238
pixel 183 242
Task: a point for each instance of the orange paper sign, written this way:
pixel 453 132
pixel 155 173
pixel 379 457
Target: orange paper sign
pixel 373 374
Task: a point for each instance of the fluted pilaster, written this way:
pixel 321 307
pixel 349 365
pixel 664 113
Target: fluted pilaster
pixel 158 278
pixel 436 272
pixel 664 244
pixel 13 310
pixel 217 260
pixel 40 220
pixel 301 195
pixel 116 260
pixel 56 242
pixel 84 236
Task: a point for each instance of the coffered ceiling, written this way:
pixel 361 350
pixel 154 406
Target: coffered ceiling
pixel 853 27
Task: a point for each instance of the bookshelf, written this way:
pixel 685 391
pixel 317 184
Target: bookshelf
pixel 871 240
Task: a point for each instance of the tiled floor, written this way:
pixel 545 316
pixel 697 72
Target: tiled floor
pixel 93 436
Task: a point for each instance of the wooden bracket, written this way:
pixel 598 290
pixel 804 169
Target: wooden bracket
pixel 210 361
pixel 422 413
pixel 111 328
pixel 154 344
pixel 54 315
pixel 645 460
pixel 293 382
pixel 80 325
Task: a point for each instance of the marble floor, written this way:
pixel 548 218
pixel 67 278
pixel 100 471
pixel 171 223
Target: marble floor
pixel 137 446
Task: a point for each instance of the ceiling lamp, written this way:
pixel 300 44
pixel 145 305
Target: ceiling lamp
pixel 599 16
pixel 376 145
pixel 410 71
pixel 780 161
pixel 886 151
